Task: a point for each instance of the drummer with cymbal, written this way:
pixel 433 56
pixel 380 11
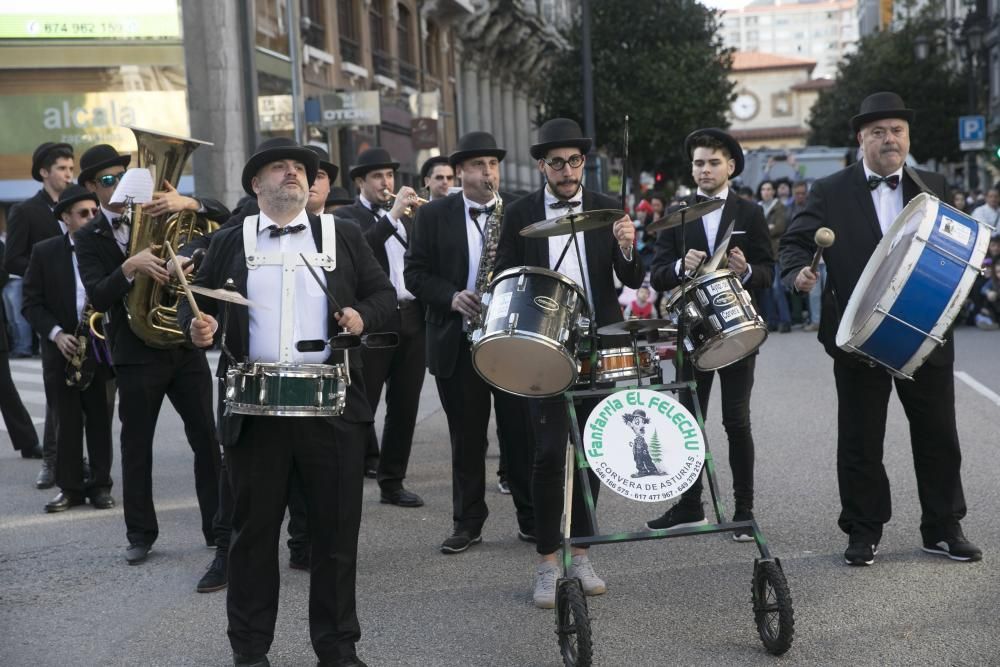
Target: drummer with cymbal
pixel 561 153
pixel 739 230
pixel 859 204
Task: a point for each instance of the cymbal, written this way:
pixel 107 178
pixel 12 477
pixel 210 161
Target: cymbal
pixel 225 295
pixel 638 326
pixel 564 224
pixel 692 212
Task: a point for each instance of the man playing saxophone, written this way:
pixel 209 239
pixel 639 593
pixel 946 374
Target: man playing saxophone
pixel 145 374
pixel 446 253
pixel 56 306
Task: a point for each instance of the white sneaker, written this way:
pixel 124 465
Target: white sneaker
pixel 583 570
pixel 546 575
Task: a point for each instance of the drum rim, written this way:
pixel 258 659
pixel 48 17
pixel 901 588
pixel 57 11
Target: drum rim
pixel 757 323
pixel 287 410
pixel 573 363
pixel 304 371
pixel 517 270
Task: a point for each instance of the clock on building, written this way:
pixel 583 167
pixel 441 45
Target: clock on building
pixel 745 106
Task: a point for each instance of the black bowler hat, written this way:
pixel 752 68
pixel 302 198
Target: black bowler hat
pixel 428 166
pixel 476 144
pixel 279 148
pixel 338 196
pixel 97 158
pixel 38 157
pixel 879 106
pixel 560 133
pixel 370 160
pixel 72 195
pixel 324 162
pixel 732 146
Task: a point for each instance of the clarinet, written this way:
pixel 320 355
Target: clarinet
pixel 488 258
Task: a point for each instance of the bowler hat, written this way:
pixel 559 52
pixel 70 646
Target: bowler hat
pixel 72 195
pixel 38 157
pixel 338 196
pixel 97 158
pixel 279 148
pixel 732 146
pixel 637 415
pixel 476 144
pixel 881 105
pixel 370 160
pixel 559 133
pixel 428 166
pixel 324 162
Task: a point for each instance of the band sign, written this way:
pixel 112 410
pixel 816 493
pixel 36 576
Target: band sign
pixel 350 108
pixel 644 445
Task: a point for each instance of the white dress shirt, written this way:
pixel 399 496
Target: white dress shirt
pixel 81 293
pixel 570 266
pixel 475 230
pixel 394 251
pixel 711 222
pixel 264 287
pixel 888 202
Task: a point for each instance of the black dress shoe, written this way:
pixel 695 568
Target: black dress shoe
pixel 402 498
pixel 217 576
pixel 101 499
pixel 371 470
pixel 33 452
pixel 137 553
pixel 243 660
pixel 46 476
pixel 64 501
pixel 299 561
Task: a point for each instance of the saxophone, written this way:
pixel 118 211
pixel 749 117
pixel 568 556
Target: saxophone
pixel 488 257
pixel 80 369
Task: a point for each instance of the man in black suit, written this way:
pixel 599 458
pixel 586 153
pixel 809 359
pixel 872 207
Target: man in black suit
pixel 327 453
pixel 387 227
pixel 716 157
pixel 20 428
pixel 54 302
pixel 859 204
pixel 441 267
pixel 32 221
pixel 561 153
pixel 145 374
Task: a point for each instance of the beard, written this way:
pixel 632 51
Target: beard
pixel 282 198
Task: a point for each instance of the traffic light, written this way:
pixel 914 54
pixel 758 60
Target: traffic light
pixel 996 152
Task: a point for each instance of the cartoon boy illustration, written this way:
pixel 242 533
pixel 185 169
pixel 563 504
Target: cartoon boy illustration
pixel 637 421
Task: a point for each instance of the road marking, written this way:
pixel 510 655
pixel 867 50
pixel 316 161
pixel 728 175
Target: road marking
pixel 33 378
pixel 979 387
pixel 86 513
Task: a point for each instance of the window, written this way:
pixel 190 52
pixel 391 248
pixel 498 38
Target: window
pixel 407 70
pixel 432 50
pixel 347 18
pixel 314 24
pixel 272 29
pixel 380 47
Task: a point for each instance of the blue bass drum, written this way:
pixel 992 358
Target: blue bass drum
pixel 913 286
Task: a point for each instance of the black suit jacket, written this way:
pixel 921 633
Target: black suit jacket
pixel 50 294
pixel 29 222
pixel 755 242
pixel 843 202
pixel 357 282
pixel 601 247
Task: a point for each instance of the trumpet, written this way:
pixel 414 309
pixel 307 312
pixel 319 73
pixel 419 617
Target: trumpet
pixel 408 211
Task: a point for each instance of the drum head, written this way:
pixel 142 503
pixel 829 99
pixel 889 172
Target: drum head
pixel 722 351
pixel 524 366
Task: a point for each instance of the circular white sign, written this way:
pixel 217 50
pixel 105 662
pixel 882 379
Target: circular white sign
pixel 644 445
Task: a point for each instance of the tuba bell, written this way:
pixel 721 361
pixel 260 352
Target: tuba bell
pixel 151 307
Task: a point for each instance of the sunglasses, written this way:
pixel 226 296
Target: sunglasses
pixel 559 164
pixel 86 212
pixel 109 180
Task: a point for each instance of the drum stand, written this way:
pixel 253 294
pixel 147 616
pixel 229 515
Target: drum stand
pixel 772 602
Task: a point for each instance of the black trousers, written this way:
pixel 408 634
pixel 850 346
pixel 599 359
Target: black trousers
pixel 929 403
pixel 82 412
pixel 466 401
pixel 401 370
pixel 737 385
pixel 548 490
pixel 328 455
pixel 184 378
pixel 15 416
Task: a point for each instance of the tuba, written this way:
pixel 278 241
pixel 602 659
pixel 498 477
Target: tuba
pixel 152 308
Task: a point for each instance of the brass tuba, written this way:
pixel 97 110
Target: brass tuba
pixel 151 307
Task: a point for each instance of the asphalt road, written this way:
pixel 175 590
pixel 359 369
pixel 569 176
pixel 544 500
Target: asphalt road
pixel 68 598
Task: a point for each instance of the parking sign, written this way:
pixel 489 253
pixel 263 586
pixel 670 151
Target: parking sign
pixel 972 133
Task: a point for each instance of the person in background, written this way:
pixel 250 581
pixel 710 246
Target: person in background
pixel 774 301
pixel 641 307
pixel 438 176
pixel 338 197
pixel 959 201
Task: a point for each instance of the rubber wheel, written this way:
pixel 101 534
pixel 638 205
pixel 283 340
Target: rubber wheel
pixel 573 624
pixel 772 607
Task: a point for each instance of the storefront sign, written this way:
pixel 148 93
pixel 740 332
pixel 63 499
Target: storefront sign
pixel 71 19
pixel 350 108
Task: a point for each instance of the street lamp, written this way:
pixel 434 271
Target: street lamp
pixel 970 44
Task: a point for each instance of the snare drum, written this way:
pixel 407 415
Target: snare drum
pixel 914 285
pixel 531 328
pixel 722 324
pixel 618 363
pixel 286 390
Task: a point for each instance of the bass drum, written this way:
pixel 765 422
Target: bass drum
pixel 528 342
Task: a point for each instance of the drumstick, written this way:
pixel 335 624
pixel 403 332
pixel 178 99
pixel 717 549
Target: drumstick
pixel 824 238
pixel 184 283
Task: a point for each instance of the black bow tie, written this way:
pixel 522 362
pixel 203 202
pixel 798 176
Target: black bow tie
pixel 117 222
pixel 565 204
pixel 700 198
pixel 288 229
pixel 376 210
pixel 476 212
pixel 891 181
